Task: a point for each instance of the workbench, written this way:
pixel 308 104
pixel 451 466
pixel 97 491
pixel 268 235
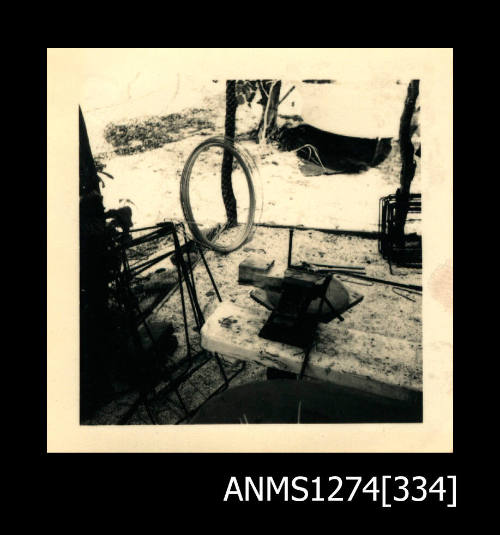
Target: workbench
pixel 372 363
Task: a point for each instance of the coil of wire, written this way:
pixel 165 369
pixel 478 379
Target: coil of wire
pixel 247 163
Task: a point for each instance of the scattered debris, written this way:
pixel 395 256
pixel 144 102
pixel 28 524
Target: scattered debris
pixel 252 266
pixel 152 133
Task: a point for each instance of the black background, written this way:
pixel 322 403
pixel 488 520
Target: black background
pixel 159 486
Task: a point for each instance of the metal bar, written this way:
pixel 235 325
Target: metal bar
pixel 290 242
pixel 339 317
pixel 286 94
pixel 143 239
pixel 136 269
pixel 179 274
pixel 200 250
pixel 195 307
pixel 179 397
pixel 318 315
pixel 201 319
pixel 143 228
pixel 338 267
pixel 358 233
pixel 304 363
pixel 382 281
pixel 221 368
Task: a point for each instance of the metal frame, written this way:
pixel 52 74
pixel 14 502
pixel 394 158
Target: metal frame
pixel 192 362
pixel 407 256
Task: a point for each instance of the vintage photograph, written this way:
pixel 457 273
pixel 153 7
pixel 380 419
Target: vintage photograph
pixel 250 250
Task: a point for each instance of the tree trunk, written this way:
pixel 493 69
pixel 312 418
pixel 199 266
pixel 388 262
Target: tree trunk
pixel 407 163
pixel 270 93
pixel 227 160
pixel 94 382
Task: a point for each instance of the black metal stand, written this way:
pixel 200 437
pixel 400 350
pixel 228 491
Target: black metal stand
pixel 192 362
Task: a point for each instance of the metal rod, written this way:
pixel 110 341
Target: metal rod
pixel 337 315
pixel 201 319
pixel 181 266
pixel 304 362
pixel 179 274
pixel 287 93
pixel 370 235
pixel 290 242
pixel 221 368
pixel 382 281
pixel 136 269
pixel 362 268
pixel 326 283
pixel 142 229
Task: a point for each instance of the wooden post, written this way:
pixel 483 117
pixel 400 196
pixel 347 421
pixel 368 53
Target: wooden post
pixel 407 162
pixel 227 160
pixel 270 97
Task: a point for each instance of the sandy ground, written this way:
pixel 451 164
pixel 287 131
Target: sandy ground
pixel 382 311
pixel 149 181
